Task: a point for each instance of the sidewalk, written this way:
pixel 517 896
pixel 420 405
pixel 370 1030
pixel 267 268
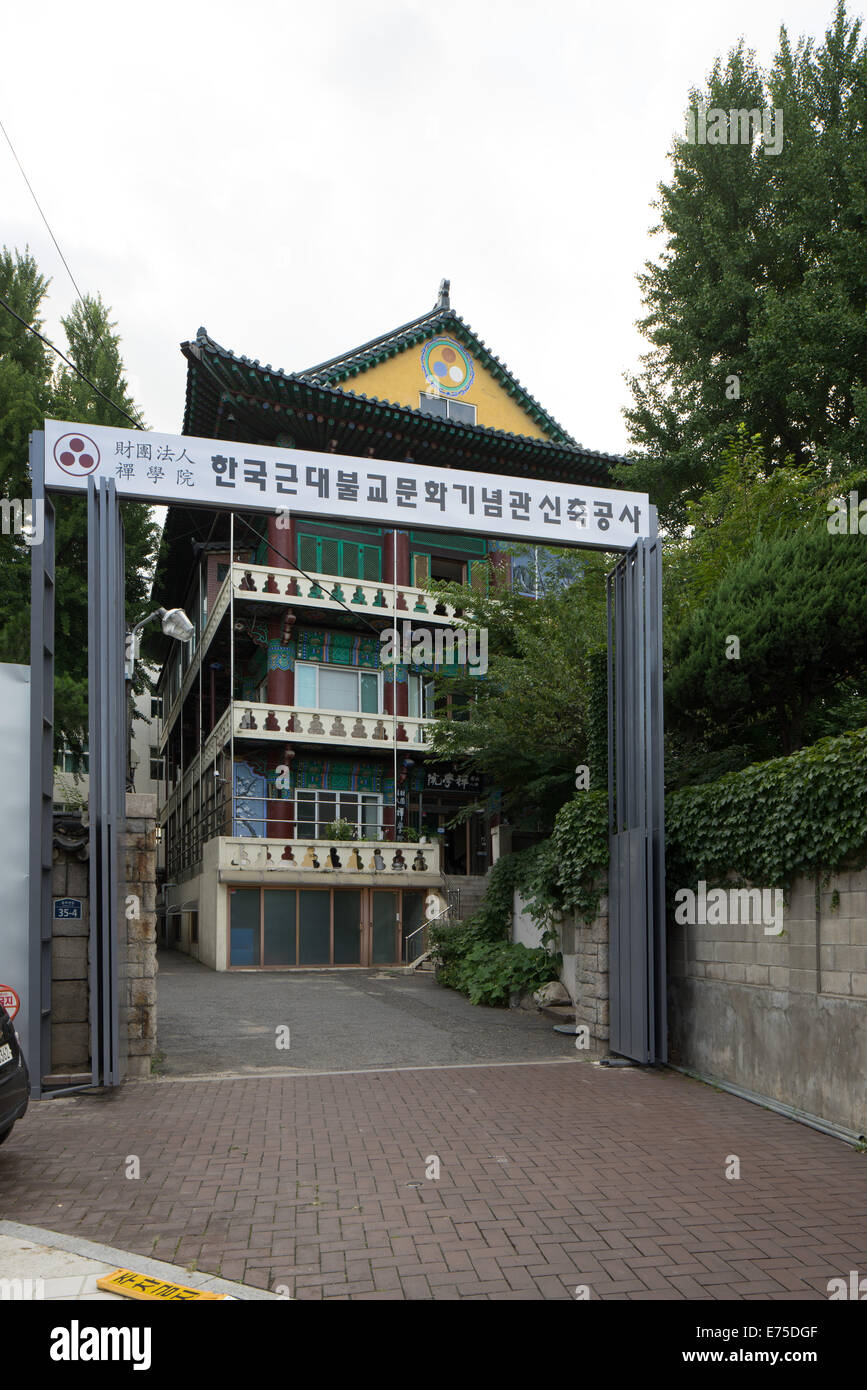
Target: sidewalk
pixel 45 1265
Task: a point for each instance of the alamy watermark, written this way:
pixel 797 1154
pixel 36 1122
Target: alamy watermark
pixel 23 518
pixel 848 520
pixel 737 126
pixel 722 907
pixel 445 646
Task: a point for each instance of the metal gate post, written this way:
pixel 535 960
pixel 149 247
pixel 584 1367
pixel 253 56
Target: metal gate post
pixel 107 715
pixel 41 773
pixel 636 810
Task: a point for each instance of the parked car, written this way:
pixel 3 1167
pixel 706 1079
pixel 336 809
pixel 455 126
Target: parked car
pixel 14 1077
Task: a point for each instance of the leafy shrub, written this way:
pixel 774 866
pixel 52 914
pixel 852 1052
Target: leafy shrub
pixel 450 942
pixel 490 971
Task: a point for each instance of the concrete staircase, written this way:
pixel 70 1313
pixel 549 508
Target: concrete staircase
pixel 467 892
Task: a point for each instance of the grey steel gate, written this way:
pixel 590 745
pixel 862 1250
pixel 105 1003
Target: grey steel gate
pixel 107 735
pixel 636 806
pixel 38 1041
pixel 108 716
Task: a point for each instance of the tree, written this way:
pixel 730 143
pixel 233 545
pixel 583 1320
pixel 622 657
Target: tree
pixel 529 721
pixel 25 395
pixel 25 368
pixel 30 390
pixel 782 633
pixel 756 309
pixel 747 502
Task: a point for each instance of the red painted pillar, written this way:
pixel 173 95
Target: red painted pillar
pixel 402 557
pixel 281 676
pixel 401 688
pixel 501 569
pixel 395 558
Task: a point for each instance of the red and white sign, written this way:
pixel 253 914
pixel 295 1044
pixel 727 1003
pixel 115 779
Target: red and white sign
pixel 9 999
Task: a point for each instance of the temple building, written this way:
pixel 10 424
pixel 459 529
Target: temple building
pixel 303 820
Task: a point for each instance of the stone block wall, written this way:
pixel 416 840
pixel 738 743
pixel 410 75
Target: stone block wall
pixel 139 970
pixel 70 995
pixel 70 989
pixel 784 1016
pixel 584 946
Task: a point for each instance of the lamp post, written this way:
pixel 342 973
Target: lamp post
pixel 175 623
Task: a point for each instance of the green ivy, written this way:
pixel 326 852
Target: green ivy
pixel 768 823
pixel 804 814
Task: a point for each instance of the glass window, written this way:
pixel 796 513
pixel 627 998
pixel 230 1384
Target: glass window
pixel 314 810
pixel 314 927
pixel 421 696
pixel 279 912
pixel 446 409
pixel 244 926
pixel 305 815
pixel 369 692
pixel 338 689
pixel 412 911
pixel 370 815
pixel 385 918
pixel 327 810
pixel 459 410
pixel 347 927
pixel 305 685
pixel 433 405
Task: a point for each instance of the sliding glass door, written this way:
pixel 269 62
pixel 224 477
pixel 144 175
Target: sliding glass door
pixel 284 928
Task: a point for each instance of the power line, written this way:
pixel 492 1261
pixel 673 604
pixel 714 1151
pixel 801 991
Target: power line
pixel 69 363
pixel 93 324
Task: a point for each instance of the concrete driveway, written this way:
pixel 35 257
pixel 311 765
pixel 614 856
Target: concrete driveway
pixel 338 1020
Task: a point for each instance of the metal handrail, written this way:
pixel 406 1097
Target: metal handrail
pixel 427 923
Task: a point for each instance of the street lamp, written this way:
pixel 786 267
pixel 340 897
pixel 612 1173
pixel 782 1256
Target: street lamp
pixel 175 623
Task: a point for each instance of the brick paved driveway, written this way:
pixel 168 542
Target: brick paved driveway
pixel 553 1174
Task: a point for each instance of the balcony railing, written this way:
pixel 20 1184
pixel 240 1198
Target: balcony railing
pixel 323 857
pixel 287 723
pixel 331 591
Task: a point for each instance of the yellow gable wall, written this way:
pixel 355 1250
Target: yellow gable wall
pixel 401 378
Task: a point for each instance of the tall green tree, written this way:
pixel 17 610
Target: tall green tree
pixel 532 718
pixel 755 311
pixel 31 389
pixel 25 365
pixel 781 635
pixel 746 502
pixel 25 397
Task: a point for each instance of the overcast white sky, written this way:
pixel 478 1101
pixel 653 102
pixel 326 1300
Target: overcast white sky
pixel 299 177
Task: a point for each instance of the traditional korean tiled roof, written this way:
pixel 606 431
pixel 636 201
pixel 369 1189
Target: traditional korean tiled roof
pixel 234 398
pixel 440 319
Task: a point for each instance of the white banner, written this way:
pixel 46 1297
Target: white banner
pixel 167 468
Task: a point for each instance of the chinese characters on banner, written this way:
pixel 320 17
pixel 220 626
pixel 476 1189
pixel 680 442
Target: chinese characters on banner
pixel 162 469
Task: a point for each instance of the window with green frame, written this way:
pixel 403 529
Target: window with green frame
pixel 420 571
pixel 349 559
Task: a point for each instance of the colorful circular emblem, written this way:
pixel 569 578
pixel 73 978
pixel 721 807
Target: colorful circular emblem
pixel 76 454
pixel 447 366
